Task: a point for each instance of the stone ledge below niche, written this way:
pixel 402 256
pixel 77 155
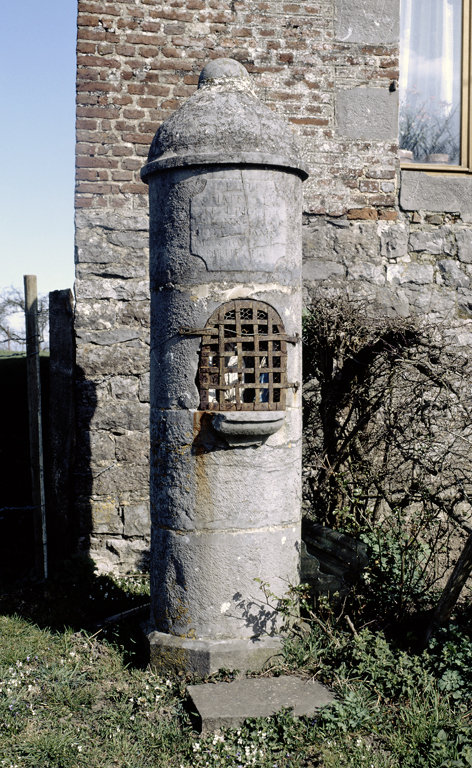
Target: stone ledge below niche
pixel 245 428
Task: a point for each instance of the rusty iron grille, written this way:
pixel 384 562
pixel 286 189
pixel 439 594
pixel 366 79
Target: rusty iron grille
pixel 243 363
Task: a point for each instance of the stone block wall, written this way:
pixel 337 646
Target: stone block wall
pixel 331 69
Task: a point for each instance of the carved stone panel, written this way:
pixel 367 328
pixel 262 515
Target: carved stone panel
pixel 238 225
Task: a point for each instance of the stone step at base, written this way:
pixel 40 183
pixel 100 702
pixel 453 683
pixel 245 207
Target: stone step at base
pixel 227 705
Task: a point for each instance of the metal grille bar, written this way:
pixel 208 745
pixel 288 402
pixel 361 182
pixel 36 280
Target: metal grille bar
pixel 243 362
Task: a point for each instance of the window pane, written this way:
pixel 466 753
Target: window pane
pixel 430 81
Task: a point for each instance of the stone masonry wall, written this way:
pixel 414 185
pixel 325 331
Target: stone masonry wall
pixel 329 67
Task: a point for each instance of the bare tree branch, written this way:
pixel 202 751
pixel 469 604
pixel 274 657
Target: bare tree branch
pixel 12 302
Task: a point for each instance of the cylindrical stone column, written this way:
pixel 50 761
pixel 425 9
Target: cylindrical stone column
pixel 224 179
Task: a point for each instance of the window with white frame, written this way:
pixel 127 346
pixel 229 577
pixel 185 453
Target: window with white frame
pixel 434 125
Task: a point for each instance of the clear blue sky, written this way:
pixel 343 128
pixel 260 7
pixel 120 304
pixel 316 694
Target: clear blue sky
pixel 37 97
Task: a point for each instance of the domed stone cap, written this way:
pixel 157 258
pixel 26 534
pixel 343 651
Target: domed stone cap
pixel 223 123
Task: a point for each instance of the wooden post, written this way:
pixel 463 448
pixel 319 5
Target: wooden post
pixel 35 428
pixel 62 533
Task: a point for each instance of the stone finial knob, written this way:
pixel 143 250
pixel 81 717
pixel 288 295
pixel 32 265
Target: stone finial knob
pixel 221 69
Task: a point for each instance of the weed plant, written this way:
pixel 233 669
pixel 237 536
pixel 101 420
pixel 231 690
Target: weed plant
pixel 72 697
pixel 74 687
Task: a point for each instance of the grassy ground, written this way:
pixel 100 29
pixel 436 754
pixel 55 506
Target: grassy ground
pixel 76 694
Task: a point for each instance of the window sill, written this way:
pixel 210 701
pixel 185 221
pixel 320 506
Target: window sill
pixel 436 170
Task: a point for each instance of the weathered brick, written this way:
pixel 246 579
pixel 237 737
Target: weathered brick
pixel 178 64
pixel 87 20
pixel 125 50
pixel 148 51
pixel 362 213
pixel 97 112
pixel 83 174
pixel 385 215
pixel 171 14
pixel 83 202
pixel 97 35
pixel 122 175
pixel 308 121
pixel 134 189
pixel 97 61
pixel 172 104
pixel 170 53
pixel 137 38
pixel 151 26
pixel 96 188
pixel 121 100
pixel 85 47
pixel 146 101
pixel 132 164
pixel 86 161
pixel 385 200
pixel 366 185
pixel 105 49
pixel 127 24
pixel 137 138
pixel 389 63
pixel 86 74
pixel 133 114
pixel 380 50
pixel 97 87
pixel 381 173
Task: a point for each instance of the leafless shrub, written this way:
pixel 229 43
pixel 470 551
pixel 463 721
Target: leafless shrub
pixel 388 431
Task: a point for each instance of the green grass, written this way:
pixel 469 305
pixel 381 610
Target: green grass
pixel 76 695
pixel 68 700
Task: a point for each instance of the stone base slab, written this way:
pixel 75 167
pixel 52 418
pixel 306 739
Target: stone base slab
pixel 173 655
pixel 227 705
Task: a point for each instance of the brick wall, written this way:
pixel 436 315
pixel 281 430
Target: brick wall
pixel 137 61
pixel 330 67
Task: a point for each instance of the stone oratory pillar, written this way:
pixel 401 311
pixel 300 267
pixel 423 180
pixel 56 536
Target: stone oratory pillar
pixel 224 177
